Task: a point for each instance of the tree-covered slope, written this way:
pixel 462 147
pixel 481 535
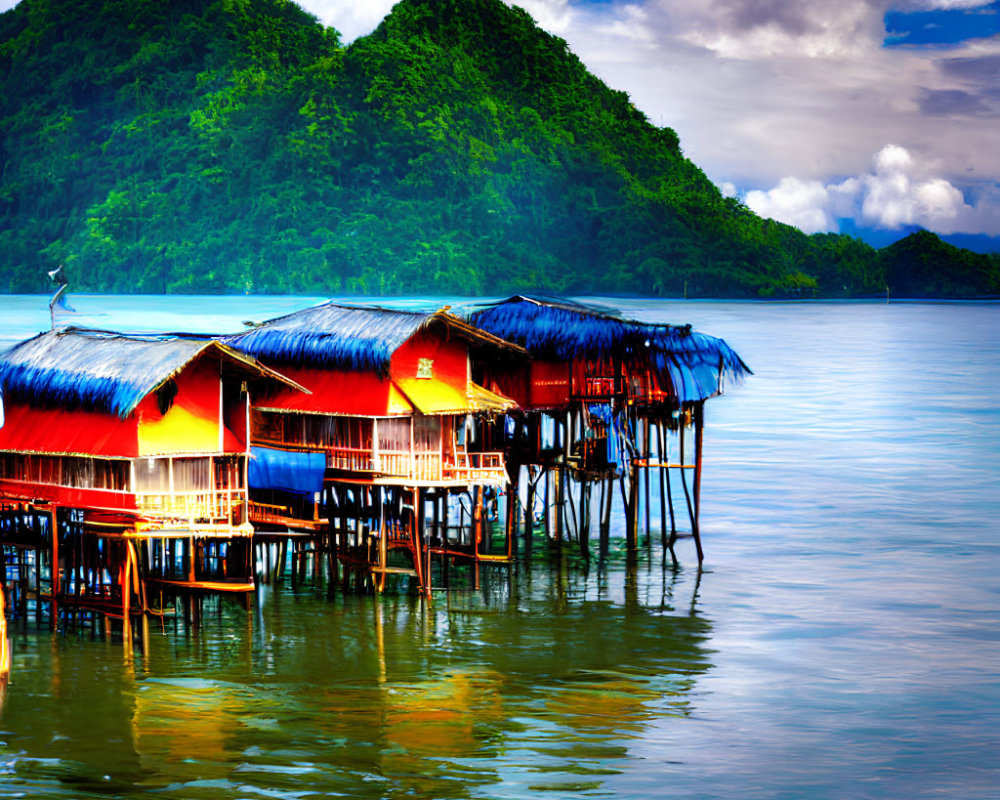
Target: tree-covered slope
pixel 120 125
pixel 235 146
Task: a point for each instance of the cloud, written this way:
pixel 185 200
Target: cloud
pixel 351 19
pixel 899 192
pixel 804 204
pixel 755 29
pixel 948 102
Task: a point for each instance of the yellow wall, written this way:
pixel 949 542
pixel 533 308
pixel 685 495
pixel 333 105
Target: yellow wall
pixel 191 424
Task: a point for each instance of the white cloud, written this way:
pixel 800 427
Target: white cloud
pixel 899 192
pixel 555 16
pixel 804 204
pixel 750 29
pixel 728 189
pixel 351 19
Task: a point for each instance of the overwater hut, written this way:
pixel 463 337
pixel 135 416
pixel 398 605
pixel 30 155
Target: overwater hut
pixel 602 394
pixel 384 454
pixel 123 462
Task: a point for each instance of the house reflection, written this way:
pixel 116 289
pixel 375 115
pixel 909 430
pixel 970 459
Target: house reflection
pixel 549 682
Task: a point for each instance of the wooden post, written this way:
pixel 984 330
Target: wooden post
pixel 607 499
pixel 547 505
pixel 417 541
pixel 666 540
pixel 477 521
pixel 428 567
pixel 647 452
pixel 632 509
pixel 444 533
pixel 529 512
pixel 687 495
pixel 56 587
pixel 560 508
pixel 126 589
pixel 699 427
pixel 670 506
pixel 511 516
pixel 437 514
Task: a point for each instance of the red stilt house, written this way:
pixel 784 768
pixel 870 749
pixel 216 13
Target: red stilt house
pixel 139 438
pixel 391 404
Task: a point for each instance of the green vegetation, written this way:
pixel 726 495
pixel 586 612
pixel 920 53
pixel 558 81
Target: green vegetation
pixel 237 146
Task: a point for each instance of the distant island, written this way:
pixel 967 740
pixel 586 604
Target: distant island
pixel 231 146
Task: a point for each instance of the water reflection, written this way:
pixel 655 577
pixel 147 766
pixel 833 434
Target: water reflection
pixel 540 680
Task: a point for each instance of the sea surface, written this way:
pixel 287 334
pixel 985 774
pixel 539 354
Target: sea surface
pixel 842 640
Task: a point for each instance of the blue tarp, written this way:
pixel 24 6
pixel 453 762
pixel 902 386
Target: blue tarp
pixel 301 473
pixel 604 414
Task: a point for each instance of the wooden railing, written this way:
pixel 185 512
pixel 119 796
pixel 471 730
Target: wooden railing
pixel 415 466
pixel 459 467
pixel 226 506
pixel 351 459
pixel 477 468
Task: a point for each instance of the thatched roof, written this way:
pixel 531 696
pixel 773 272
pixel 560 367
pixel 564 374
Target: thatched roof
pixel 108 371
pixel 556 329
pixel 348 337
pixel 697 364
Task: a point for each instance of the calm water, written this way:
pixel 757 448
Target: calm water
pixel 842 642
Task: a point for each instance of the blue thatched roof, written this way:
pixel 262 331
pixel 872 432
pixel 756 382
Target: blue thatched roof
pixel 345 336
pixel 104 370
pixel 696 364
pixel 557 329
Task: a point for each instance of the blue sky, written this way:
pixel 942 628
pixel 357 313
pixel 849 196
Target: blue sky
pixel 853 115
pixel 941 26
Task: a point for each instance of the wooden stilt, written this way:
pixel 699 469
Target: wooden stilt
pixel 444 536
pixel 666 501
pixel 56 584
pixel 428 581
pixel 416 540
pixel 632 510
pixel 529 513
pixel 584 527
pixel 607 499
pixel 511 516
pixel 570 516
pixel 477 521
pixel 699 427
pixel 546 502
pixel 647 452
pixel 687 494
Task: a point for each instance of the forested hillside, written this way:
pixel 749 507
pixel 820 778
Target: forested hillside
pixel 236 146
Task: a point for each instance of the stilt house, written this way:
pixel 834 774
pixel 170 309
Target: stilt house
pixel 139 438
pixel 582 354
pixel 601 392
pixel 393 413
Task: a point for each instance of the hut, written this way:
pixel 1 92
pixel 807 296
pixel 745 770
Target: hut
pixel 602 395
pixel 123 462
pixel 384 454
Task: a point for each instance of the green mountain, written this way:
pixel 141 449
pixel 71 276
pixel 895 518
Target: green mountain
pixel 236 146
